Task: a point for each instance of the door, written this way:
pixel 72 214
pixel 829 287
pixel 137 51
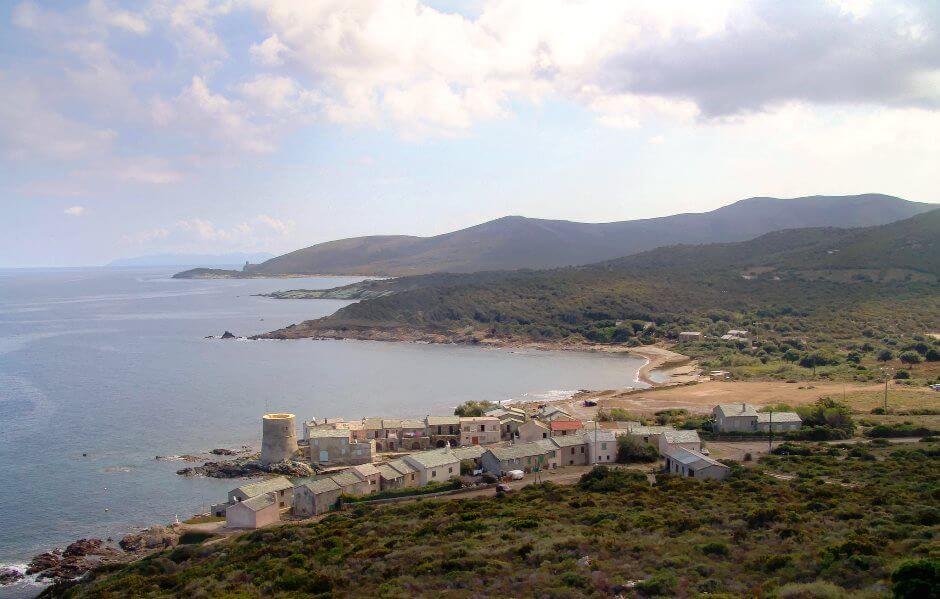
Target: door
pixel 474 440
pixel 324 456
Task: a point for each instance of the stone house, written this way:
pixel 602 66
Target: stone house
pixel 350 483
pixel 316 496
pixel 254 512
pixel 690 336
pixel 409 474
pixel 780 421
pixel 473 453
pixel 433 466
pixel 684 462
pixel 549 413
pixel 521 456
pixel 744 417
pixel 572 450
pixel 444 431
pixel 479 430
pixel 531 431
pixel 368 474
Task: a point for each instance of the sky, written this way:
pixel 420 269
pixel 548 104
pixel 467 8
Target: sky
pixel 204 126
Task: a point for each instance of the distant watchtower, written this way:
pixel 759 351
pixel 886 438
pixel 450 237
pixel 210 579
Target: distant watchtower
pixel 278 438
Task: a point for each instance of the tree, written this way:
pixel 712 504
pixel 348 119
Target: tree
pixel 473 408
pixel 910 358
pixel 629 450
pixel 885 355
pixel 791 355
pixel 932 355
pixel 854 357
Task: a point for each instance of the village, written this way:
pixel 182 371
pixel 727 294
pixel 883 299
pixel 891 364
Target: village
pixel 382 460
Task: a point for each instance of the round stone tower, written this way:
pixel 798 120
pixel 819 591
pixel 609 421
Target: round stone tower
pixel 278 438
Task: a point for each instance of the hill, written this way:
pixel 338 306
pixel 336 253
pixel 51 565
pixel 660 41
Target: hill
pixel 837 522
pixel 831 290
pixel 516 242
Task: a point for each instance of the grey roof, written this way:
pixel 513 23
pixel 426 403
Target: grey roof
pixel 473 452
pixel 322 485
pixel 432 459
pixel 538 423
pixel 328 433
pixel 412 424
pixel 442 420
pixel 649 430
pixel 391 423
pixel 401 466
pixel 258 503
pixel 549 410
pixel 778 417
pixel 681 436
pixel 693 458
pixel 346 478
pixel 522 450
pixel 388 473
pixel 269 485
pixel 570 440
pixel 601 436
pixel 737 409
pixel 548 444
pixel 365 470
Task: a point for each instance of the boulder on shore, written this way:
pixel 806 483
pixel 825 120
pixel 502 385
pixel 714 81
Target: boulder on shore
pixel 222 451
pixel 83 547
pixel 227 335
pixel 155 537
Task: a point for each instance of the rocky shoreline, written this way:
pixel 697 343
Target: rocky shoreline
pixel 247 466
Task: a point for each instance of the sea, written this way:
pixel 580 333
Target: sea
pixel 103 369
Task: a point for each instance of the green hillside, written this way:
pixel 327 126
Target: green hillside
pixel 815 289
pixel 839 522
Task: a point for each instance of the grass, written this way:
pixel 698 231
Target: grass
pixel 204 519
pixel 848 519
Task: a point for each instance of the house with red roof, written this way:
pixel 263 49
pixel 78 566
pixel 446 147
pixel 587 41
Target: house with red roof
pixel 563 428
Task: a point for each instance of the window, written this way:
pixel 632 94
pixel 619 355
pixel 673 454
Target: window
pixel 582 449
pixel 433 473
pixel 450 470
pixel 604 446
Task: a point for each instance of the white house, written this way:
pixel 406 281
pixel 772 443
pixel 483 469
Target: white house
pixel 254 512
pixel 279 487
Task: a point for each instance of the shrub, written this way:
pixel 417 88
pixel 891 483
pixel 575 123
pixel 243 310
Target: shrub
pixel 473 408
pixel 194 537
pixel 660 584
pixel 714 548
pixel 916 579
pixel 811 590
pixel 630 451
pixel 898 430
pixel 603 479
pixel 902 374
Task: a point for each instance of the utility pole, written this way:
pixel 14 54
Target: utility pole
pixel 770 439
pixel 594 457
pixel 886 391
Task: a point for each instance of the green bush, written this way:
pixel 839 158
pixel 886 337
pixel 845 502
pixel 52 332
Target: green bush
pixel 630 450
pixel 604 479
pixel 917 579
pixel 898 430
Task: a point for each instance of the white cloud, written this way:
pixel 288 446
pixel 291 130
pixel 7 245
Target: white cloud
pixel 74 210
pixel 200 234
pixel 270 52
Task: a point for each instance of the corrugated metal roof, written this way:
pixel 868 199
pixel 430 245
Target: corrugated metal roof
pixel 778 417
pixel 258 503
pixel 681 436
pixel 269 485
pixel 737 409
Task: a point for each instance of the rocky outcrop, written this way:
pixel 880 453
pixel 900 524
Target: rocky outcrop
pixel 228 335
pixel 222 451
pixel 153 538
pixel 247 466
pixel 9 576
pixel 77 559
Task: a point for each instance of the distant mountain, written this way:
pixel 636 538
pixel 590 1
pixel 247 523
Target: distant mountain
pixel 233 259
pixel 516 242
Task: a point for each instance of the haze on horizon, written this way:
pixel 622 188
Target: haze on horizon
pixel 204 126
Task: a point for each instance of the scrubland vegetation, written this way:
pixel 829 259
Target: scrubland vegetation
pixel 858 521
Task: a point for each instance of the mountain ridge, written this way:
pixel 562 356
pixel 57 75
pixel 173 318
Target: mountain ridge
pixel 517 242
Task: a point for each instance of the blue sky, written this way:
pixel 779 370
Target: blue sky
pixel 240 125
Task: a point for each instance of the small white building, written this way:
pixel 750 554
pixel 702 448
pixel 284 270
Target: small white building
pixel 684 462
pixel 433 466
pixel 255 512
pixel 602 446
pixel 679 438
pixel 690 336
pixel 280 488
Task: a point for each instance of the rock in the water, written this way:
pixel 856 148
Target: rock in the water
pixel 44 561
pixel 227 335
pixel 222 451
pixel 9 576
pixel 247 466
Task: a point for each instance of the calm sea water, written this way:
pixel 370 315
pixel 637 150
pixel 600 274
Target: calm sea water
pixel 114 364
